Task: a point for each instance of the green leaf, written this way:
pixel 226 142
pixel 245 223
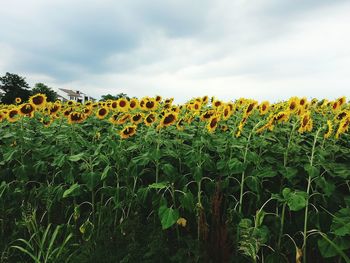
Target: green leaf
pixel 341 222
pixel 187 201
pixel 312 170
pixel 266 173
pixel 236 166
pixel 169 170
pixel 168 216
pixel 289 172
pixel 105 172
pixel 76 158
pixel 296 200
pixel 160 185
pixel 72 191
pixel 329 250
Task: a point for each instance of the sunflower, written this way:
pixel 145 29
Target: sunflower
pixel 2 116
pixel 102 113
pixel 180 124
pixel 207 115
pixel 38 100
pixel 181 222
pixel 114 105
pixel 67 111
pixel 18 100
pixel 205 100
pixel 168 119
pixel 88 103
pixel 150 118
pixel 341 115
pixel 127 132
pixel 341 101
pixel 46 121
pixel 70 102
pixel 151 104
pixel 13 115
pixel 213 123
pixel 224 127
pixel 217 103
pixel 196 106
pixel 54 108
pixel 169 101
pixel 76 117
pixel 137 118
pixel 250 108
pixel 26 110
pixel 123 104
pixel 123 118
pixel 329 129
pixel 343 127
pixel 306 123
pixel 303 102
pixel 282 116
pixel 158 98
pixel 264 107
pixel 227 112
pixel 114 118
pixel 133 104
pixel 335 105
pixel 87 111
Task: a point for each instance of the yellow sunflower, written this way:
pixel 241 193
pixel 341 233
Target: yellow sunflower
pixel 134 104
pixel 114 118
pixel 128 131
pixel 102 113
pixel 213 123
pixel 76 117
pixel 26 110
pixel 123 104
pixel 150 119
pixel 264 107
pixel 207 115
pixel 168 119
pixel 13 115
pixel 38 100
pixel 137 118
pixel 151 105
pixel 329 129
pixel 343 127
pixel 306 123
pixel 18 100
pixel 123 118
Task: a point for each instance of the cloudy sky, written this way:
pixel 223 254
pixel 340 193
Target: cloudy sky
pixel 266 49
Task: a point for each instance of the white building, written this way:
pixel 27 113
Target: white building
pixel 75 95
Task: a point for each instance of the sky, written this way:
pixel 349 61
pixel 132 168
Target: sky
pixel 265 50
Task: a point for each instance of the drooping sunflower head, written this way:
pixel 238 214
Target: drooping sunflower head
pixel 18 100
pixel 137 118
pixel 76 117
pixel 26 109
pixel 38 100
pixel 207 115
pixel 150 119
pixel 102 113
pixel 2 116
pixel 13 115
pixel 128 131
pixel 114 118
pixel 343 127
pixel 158 98
pixel 306 123
pixel 342 101
pixel 168 119
pixel 264 107
pixel 341 115
pixel 205 100
pixel 213 123
pixel 282 116
pixel 329 129
pixel 227 112
pixel 123 118
pixel 54 108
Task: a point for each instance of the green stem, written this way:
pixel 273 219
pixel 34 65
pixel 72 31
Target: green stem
pixel 307 194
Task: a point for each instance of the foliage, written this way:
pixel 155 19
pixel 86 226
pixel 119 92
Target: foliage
pixel 44 89
pixel 112 97
pixel 13 86
pixel 145 180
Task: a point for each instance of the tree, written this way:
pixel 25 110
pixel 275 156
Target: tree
pixel 13 86
pixel 111 97
pixel 44 89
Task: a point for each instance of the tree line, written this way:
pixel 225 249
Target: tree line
pixel 14 86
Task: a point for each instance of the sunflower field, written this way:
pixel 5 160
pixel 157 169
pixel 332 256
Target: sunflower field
pixel 145 180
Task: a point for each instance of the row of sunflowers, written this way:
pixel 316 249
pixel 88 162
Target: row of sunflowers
pixel 129 114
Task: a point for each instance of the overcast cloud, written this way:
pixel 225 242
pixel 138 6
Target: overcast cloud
pixel 266 49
